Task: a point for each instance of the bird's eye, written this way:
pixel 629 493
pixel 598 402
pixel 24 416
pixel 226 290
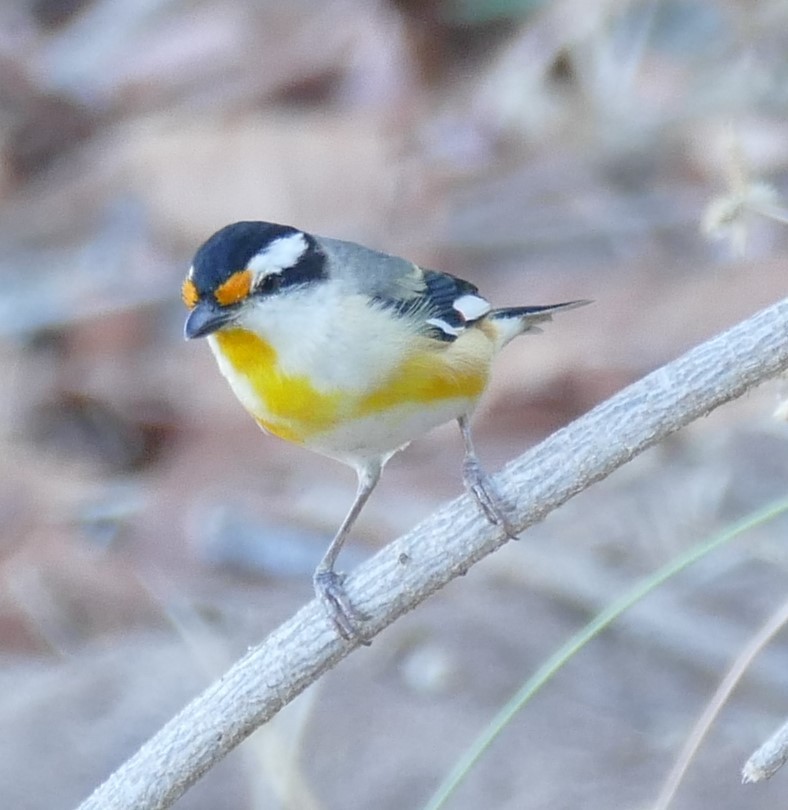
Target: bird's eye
pixel 269 283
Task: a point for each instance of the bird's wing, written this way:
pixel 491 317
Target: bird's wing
pixel 445 305
pixel 439 305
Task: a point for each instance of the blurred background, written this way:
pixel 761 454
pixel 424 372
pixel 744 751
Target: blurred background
pixel 634 152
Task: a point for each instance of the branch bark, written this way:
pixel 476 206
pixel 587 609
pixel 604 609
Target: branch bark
pixel 441 548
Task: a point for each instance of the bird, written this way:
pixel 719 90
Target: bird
pixel 351 353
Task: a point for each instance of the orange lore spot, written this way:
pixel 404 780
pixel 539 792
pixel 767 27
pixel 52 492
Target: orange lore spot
pixel 235 289
pixel 189 294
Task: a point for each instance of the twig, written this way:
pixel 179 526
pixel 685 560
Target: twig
pixel 441 548
pixel 768 759
pixel 744 659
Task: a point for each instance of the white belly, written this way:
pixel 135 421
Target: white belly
pixel 381 435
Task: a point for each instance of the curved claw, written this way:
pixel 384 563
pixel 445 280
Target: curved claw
pixel 330 590
pixel 481 486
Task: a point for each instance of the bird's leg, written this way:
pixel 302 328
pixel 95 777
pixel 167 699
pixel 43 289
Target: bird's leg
pixel 329 585
pixel 480 485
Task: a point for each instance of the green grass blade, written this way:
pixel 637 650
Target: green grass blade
pixel 602 620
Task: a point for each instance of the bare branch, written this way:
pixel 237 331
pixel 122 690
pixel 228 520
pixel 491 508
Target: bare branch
pixel 441 548
pixel 768 759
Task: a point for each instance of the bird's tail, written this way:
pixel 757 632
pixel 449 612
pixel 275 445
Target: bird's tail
pixel 514 321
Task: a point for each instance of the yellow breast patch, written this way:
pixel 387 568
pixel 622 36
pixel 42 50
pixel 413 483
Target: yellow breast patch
pixel 294 409
pixel 423 377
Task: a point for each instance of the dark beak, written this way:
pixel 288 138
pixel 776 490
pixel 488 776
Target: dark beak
pixel 206 318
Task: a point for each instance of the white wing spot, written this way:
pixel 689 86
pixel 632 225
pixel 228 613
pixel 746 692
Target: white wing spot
pixel 471 307
pixel 445 327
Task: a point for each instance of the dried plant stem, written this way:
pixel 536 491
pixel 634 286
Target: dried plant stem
pixel 613 611
pixel 769 758
pixel 443 547
pixel 773 625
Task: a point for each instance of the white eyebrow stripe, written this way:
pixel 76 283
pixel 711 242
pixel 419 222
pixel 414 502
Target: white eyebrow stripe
pixel 190 274
pixel 471 307
pixel 445 327
pixel 279 255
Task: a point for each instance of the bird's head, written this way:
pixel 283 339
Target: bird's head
pixel 243 264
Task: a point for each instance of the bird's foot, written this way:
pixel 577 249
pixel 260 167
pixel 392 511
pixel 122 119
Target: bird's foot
pixel 481 486
pixel 330 589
